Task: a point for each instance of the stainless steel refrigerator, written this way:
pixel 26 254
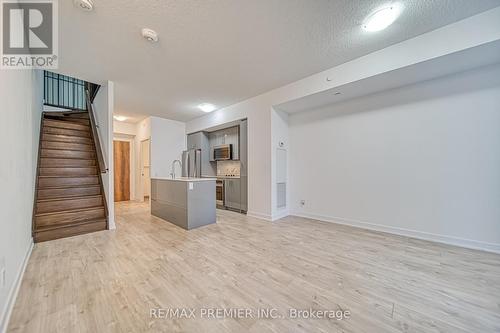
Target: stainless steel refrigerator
pixel 191 163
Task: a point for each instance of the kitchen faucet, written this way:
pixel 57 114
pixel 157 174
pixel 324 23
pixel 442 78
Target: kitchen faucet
pixel 172 173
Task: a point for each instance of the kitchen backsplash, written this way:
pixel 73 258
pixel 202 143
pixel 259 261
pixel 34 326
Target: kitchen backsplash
pixel 228 168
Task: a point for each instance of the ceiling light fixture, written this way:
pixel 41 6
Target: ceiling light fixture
pixel 150 35
pixel 86 5
pixel 207 107
pixel 120 118
pixel 382 18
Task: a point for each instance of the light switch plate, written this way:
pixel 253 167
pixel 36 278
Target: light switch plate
pixel 191 186
pixel 3 272
pixel 3 277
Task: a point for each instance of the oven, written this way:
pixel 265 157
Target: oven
pixel 219 192
pixel 222 152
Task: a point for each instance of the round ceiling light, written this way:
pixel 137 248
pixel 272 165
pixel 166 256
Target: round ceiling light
pixel 207 107
pixel 382 18
pixel 120 118
pixel 150 35
pixel 86 5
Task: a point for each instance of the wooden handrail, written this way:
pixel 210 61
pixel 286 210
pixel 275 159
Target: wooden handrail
pixel 95 134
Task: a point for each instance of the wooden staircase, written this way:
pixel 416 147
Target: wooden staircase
pixel 69 198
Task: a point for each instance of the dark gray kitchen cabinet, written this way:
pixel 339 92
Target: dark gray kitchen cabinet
pixel 195 140
pixel 232 191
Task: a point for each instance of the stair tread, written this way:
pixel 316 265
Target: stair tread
pixel 48 121
pixel 66 131
pixel 75 143
pixel 74 136
pixel 70 198
pixel 67 167
pixel 62 136
pixel 71 211
pixel 67 186
pixel 68 158
pixel 69 224
pixel 72 149
pixel 68 176
pixel 59 113
pixel 65 149
pixel 72 186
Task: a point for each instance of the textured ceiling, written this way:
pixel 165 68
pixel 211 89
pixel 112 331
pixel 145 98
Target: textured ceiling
pixel 225 51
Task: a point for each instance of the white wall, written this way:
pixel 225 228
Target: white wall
pixel 103 108
pixel 477 30
pixel 143 130
pixel 138 132
pixel 279 124
pixel 168 141
pixel 422 161
pixel 124 128
pixel 21 107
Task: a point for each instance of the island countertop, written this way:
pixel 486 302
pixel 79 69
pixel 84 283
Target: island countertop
pixel 185 179
pixel 186 202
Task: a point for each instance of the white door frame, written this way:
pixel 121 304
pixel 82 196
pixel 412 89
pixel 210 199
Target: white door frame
pixel 141 167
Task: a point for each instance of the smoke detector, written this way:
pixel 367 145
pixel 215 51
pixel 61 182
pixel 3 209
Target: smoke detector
pixel 150 35
pixel 86 5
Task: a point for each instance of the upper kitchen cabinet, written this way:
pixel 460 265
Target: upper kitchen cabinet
pixel 231 136
pixel 225 137
pixel 195 140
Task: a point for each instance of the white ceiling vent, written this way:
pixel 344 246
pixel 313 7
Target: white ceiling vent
pixel 86 5
pixel 150 35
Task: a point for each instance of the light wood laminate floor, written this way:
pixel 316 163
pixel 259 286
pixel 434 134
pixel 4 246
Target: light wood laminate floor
pixel 108 281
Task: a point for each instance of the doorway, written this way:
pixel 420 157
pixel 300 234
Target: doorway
pixel 145 169
pixel 121 170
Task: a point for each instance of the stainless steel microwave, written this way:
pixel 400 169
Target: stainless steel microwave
pixel 222 152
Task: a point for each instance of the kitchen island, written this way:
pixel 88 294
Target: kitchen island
pixel 186 202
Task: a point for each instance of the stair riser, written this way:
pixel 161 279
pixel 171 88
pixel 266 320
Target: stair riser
pixel 66 146
pixel 72 119
pixel 68 192
pixel 65 125
pixel 69 217
pixel 54 162
pixel 69 231
pixel 58 182
pixel 67 204
pixel 90 171
pixel 63 131
pixel 81 121
pixel 53 153
pixel 66 138
pixel 67 115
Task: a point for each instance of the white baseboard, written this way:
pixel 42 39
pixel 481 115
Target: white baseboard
pixel 268 217
pixel 260 216
pixel 450 240
pixel 280 215
pixel 11 298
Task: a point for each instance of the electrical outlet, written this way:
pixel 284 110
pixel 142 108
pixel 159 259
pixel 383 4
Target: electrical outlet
pixel 302 203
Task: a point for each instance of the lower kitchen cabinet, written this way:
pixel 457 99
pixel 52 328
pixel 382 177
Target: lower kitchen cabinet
pixel 232 189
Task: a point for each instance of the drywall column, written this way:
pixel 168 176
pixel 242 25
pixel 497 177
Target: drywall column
pixel 21 96
pixel 103 108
